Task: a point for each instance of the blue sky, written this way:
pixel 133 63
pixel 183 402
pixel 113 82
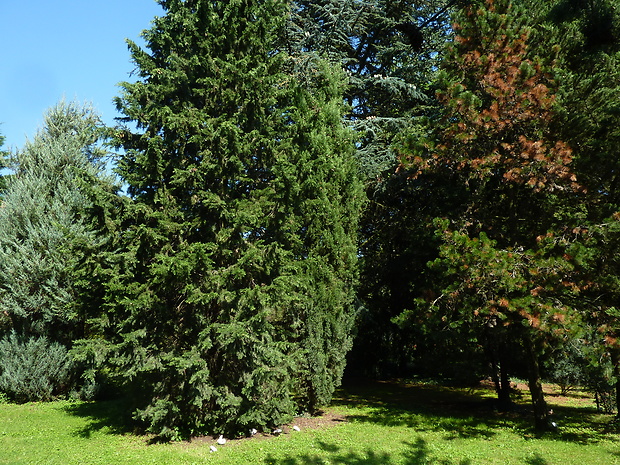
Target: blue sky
pixel 74 49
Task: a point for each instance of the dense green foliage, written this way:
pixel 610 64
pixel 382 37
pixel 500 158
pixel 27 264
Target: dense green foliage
pixel 589 92
pixel 230 306
pixel 512 255
pixel 44 225
pixel 3 156
pixel 389 50
pixel 220 291
pixel 34 369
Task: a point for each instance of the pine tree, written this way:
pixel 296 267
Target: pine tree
pixel 230 307
pixel 586 39
pixel 505 257
pixel 44 225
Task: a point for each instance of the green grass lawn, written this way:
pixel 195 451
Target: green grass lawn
pixel 372 424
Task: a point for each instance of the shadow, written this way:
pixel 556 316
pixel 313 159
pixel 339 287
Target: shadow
pixel 536 460
pixel 455 413
pixel 459 413
pixel 109 417
pixel 417 453
pixel 583 425
pixel 467 413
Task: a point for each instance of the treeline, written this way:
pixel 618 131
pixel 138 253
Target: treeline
pixel 405 188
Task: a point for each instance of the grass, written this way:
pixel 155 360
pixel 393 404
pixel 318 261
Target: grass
pixel 386 424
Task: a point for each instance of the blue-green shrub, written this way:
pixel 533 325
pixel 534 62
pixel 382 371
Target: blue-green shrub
pixel 33 369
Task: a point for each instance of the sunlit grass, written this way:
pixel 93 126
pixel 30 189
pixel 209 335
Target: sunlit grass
pixel 386 425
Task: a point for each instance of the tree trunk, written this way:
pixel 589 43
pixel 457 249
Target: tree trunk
pixel 504 393
pixel 499 371
pixel 501 380
pixel 541 413
pixel 615 360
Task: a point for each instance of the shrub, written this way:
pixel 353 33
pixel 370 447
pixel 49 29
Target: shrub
pixel 33 369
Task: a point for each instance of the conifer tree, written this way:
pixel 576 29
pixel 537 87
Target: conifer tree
pixel 585 37
pixel 504 255
pixel 2 163
pixel 44 225
pixel 231 305
pixel 389 50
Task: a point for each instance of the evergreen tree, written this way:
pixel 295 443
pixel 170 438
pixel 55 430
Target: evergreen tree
pixel 231 303
pixel 590 76
pixel 585 40
pixel 389 49
pixel 2 162
pixel 44 225
pixel 504 252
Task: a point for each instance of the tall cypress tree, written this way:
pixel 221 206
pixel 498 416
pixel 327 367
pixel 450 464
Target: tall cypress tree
pixel 231 304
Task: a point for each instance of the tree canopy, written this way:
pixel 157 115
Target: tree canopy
pixel 415 188
pixel 511 249
pixel 45 226
pixel 231 308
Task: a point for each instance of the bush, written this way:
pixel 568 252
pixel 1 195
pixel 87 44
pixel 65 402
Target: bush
pixel 33 369
pixel 569 371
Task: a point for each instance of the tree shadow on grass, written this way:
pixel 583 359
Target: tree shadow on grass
pixel 536 460
pixel 456 413
pixel 110 417
pixel 459 413
pixel 466 413
pixel 416 453
pixel 584 425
